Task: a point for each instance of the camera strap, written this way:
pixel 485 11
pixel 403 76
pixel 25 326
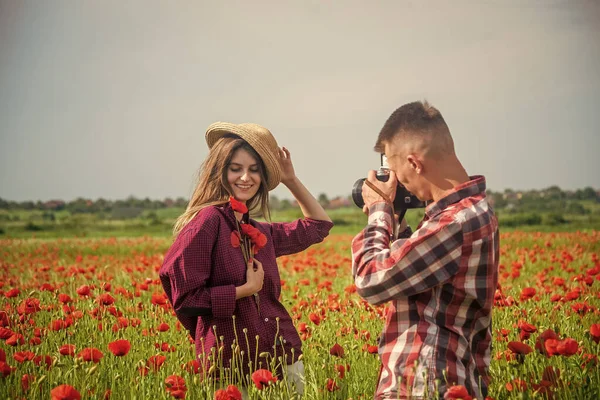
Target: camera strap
pixel 387 200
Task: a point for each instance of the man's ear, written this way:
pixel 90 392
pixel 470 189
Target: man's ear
pixel 415 163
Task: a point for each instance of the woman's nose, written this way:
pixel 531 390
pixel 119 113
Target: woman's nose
pixel 245 176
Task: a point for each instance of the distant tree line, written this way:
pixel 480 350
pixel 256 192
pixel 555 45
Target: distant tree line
pixel 549 199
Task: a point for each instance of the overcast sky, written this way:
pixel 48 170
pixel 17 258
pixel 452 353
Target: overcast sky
pixel 112 98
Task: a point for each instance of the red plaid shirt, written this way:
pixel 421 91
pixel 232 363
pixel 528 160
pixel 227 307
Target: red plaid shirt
pixel 202 269
pixel 440 283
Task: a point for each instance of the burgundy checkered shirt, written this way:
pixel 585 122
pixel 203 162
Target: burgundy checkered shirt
pixel 440 283
pixel 202 269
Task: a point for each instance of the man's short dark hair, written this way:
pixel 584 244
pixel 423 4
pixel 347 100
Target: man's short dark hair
pixel 416 117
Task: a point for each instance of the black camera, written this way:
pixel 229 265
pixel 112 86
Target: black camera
pixel 403 200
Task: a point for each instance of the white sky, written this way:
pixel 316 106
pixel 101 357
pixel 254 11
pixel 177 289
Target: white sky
pixel 112 98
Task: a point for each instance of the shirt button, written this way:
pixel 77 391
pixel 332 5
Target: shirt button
pixel 266 319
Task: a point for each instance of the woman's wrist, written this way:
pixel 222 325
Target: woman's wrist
pixel 241 291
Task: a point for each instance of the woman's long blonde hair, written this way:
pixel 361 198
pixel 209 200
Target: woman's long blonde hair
pixel 214 189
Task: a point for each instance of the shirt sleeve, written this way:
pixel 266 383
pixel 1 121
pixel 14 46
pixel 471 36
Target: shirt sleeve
pixel 296 236
pixel 191 269
pixel 428 258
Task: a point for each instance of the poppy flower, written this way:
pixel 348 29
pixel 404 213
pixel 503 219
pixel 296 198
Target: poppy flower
pixel 336 350
pixel 15 339
pixel 457 392
pixel 314 318
pixel 83 290
pixel 527 293
pixel 231 393
pixel 519 348
pixel 5 369
pixel 65 392
pixel 567 347
pixel 175 384
pixel 22 356
pixel 12 293
pixel 64 298
pixel 262 378
pixel 90 354
pixel 595 332
pixel 5 333
pixel 29 306
pixel 67 350
pixel 235 239
pixel 331 385
pixel 155 362
pixel 119 347
pixel 238 205
pixel 159 299
pixel 541 339
pixel 106 299
pixel 550 346
pixel 163 327
pixel 26 380
pixel 38 360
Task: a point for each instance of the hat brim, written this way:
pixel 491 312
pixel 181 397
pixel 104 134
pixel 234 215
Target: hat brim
pixel 259 138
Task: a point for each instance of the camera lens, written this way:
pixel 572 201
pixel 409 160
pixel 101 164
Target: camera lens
pixel 357 193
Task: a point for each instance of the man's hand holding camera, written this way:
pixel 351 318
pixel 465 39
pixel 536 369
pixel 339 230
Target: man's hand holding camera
pixel 387 189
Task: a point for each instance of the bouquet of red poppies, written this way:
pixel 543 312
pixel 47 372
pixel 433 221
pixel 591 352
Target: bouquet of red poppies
pixel 246 237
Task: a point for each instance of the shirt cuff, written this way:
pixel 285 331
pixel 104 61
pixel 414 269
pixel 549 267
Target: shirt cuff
pixel 380 214
pixel 222 300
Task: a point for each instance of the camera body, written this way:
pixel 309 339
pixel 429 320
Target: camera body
pixel 404 199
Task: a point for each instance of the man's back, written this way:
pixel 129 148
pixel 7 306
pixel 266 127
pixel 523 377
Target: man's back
pixel 441 283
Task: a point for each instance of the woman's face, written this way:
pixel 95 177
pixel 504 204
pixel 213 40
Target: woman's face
pixel 243 175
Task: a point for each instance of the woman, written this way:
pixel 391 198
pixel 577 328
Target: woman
pixel 221 273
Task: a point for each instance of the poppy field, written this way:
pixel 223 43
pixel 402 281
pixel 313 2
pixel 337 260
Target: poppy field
pixel 87 318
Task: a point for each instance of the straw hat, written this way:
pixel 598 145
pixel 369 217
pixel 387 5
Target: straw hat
pixel 261 140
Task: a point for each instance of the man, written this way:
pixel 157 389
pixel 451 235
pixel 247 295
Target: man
pixel 440 281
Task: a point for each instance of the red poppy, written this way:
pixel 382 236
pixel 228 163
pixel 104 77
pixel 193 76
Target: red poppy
pixel 64 298
pixel 341 369
pixel 106 299
pixel 38 360
pixel 541 339
pixel 336 350
pixel 519 348
pixel 567 347
pixel 595 332
pixel 193 367
pixel 331 385
pixel 65 392
pixel 163 327
pixel 238 205
pixel 83 290
pixel 12 293
pixel 262 378
pixel 527 293
pixel 22 356
pixel 15 339
pixel 5 369
pixel 119 347
pixel 550 346
pixel 67 350
pixel 155 362
pixel 314 318
pixel 372 349
pixel 175 383
pixel 29 306
pixel 457 392
pixel 159 299
pixel 91 354
pixel 5 333
pixel 235 239
pixel 231 393
pixel 26 380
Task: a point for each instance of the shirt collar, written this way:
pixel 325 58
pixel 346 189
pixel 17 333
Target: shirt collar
pixel 470 188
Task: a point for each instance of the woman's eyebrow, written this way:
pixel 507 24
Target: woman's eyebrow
pixel 241 165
